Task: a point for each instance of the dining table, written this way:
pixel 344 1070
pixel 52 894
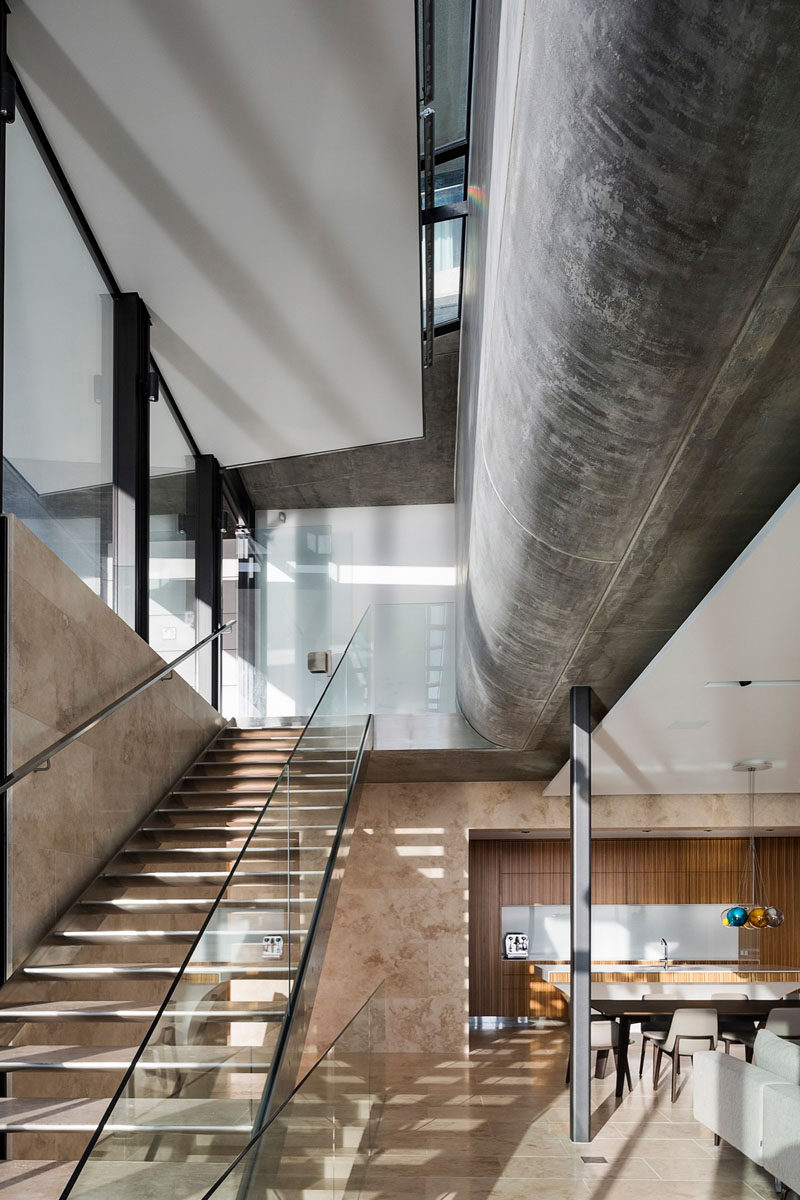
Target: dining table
pixel 629 1011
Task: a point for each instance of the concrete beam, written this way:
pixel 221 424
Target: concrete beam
pixel 627 414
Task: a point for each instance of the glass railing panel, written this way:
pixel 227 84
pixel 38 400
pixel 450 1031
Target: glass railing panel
pixel 414 658
pixel 194 1091
pixel 226 1048
pixel 321 1141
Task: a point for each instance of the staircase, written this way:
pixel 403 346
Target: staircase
pixel 74 1014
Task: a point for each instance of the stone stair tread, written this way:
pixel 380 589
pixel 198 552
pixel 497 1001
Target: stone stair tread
pixel 128 1010
pixel 188 904
pixel 182 878
pixel 22 1179
pixel 112 937
pixel 223 972
pixel 156 1114
pixel 34 1179
pixel 110 1058
pixel 202 851
pixel 201 827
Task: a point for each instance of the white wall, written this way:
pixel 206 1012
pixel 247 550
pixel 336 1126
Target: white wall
pixel 694 932
pixel 324 567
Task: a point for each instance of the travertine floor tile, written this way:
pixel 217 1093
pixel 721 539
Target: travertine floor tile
pixel 496 1127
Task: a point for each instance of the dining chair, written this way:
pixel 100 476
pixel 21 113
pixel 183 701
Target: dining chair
pixel 651 1024
pixel 604 1037
pixel 736 1031
pixel 783 1022
pixel 690 1030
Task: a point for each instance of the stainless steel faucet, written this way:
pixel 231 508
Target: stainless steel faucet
pixel 666 953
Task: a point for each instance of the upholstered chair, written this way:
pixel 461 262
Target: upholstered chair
pixel 690 1030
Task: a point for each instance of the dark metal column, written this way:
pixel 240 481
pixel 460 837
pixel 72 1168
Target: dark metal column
pixel 208 580
pixel 131 460
pixel 7 114
pixel 580 773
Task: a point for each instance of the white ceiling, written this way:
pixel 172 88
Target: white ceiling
pixel 672 734
pixel 250 168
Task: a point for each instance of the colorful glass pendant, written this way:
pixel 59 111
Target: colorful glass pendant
pixel 774 916
pixel 757 918
pixel 737 916
pixel 724 917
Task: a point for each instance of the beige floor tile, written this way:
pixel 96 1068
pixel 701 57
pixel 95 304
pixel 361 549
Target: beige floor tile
pixel 628 1189
pixel 502 1189
pixel 496 1127
pixel 708 1168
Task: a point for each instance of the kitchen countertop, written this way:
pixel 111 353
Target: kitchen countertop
pixel 690 981
pixel 675 968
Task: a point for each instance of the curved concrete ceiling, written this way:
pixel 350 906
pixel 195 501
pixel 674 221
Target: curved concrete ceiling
pixel 251 170
pixel 629 402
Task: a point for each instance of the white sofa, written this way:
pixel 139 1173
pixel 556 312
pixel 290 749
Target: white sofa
pixel 754 1106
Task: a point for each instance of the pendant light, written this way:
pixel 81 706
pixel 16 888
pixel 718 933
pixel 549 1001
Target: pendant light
pixel 755 913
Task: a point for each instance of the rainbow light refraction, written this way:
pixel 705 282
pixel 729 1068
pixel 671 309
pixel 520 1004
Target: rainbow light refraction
pixel 477 196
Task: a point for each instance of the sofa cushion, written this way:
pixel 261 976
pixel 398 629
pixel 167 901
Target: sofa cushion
pixel 728 1099
pixel 775 1054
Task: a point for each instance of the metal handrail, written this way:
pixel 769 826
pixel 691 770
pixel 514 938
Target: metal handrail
pixel 36 763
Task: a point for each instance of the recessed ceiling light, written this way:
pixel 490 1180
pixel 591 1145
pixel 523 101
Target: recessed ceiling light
pixel 687 724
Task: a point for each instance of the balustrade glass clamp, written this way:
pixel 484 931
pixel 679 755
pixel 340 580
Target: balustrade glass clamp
pixel 45 766
pixel 169 675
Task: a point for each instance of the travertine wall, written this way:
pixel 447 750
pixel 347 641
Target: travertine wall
pixel 403 908
pixel 70 655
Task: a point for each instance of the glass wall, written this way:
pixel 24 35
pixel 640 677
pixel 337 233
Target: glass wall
pixel 58 372
pixel 173 515
pixel 452 28
pixel 243 680
pixel 323 570
pixel 451 70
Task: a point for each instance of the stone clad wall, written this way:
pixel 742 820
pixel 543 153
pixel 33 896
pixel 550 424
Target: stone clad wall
pixel 402 913
pixel 70 655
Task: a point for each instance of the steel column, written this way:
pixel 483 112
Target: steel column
pixel 208 579
pixel 580 773
pixel 7 115
pixel 131 461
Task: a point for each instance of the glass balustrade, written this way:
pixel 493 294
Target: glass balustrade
pixel 223 1048
pixel 226 1048
pixel 320 1140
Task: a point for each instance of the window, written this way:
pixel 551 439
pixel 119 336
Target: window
pixel 58 372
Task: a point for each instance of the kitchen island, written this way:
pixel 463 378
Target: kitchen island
pixel 541 989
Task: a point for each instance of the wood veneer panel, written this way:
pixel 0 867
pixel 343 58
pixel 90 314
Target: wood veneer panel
pixel 526 996
pixel 626 871
pixel 610 887
pixel 780 864
pixel 517 889
pixel 545 856
pixel 534 889
pixel 485 992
